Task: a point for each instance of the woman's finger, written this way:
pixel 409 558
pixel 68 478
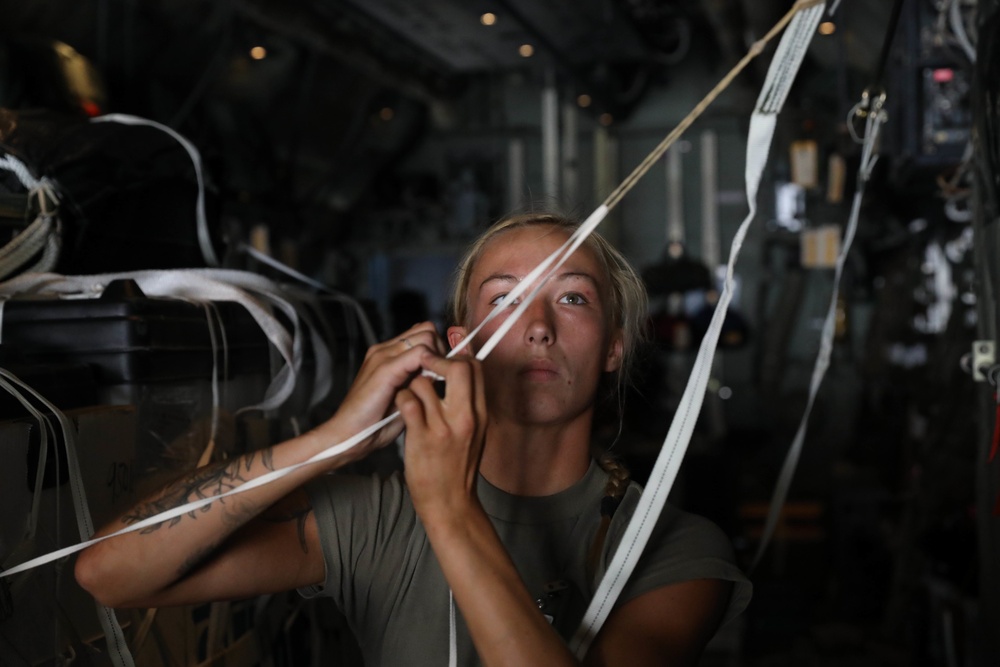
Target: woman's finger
pixel 411 409
pixel 423 389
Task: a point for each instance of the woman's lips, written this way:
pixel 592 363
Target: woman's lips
pixel 540 370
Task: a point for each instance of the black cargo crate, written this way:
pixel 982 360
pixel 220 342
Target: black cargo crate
pixel 127 337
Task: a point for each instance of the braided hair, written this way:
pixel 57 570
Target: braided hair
pixel 614 491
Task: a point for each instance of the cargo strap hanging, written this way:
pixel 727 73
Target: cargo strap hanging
pixel 871 109
pixel 254 292
pixel 117 647
pixel 201 220
pixel 869 112
pixel 784 65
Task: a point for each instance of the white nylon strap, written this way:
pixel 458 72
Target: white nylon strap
pixel 25 245
pixel 200 285
pixel 366 328
pixel 559 257
pixel 44 429
pixel 204 502
pixel 213 319
pixel 323 381
pixel 19 169
pixel 875 118
pixel 204 237
pixel 782 71
pixel 117 647
pixel 452 632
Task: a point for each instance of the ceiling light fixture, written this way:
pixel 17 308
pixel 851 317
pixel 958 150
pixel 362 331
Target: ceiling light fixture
pixel 526 50
pixel 827 28
pixel 258 53
pixel 584 100
pixel 489 18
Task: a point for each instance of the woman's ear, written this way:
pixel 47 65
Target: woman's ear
pixel 616 350
pixel 455 336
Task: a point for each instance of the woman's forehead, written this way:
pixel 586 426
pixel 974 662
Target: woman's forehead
pixel 521 249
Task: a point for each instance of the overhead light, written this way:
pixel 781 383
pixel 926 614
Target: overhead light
pixel 489 18
pixel 827 28
pixel 386 113
pixel 584 100
pixel 526 50
pixel 606 119
pixel 258 53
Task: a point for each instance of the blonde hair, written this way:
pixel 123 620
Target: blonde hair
pixel 628 300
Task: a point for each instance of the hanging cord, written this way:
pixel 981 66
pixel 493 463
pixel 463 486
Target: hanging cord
pixel 360 320
pixel 781 73
pixel 117 647
pixel 871 109
pixel 256 294
pixel 204 236
pixel 212 318
pixel 363 321
pixel 755 50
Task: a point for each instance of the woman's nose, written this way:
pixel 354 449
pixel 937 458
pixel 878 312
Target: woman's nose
pixel 540 329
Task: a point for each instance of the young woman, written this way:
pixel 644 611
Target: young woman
pixel 500 503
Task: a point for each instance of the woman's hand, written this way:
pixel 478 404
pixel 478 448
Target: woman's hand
pixel 387 368
pixel 444 441
pixel 444 436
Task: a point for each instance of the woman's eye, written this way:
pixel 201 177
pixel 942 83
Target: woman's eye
pixel 498 298
pixel 573 299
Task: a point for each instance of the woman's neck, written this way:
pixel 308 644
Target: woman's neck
pixel 535 460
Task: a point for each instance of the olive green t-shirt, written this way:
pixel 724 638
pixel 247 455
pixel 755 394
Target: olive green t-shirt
pixel 383 575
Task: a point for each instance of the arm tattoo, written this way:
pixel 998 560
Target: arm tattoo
pixel 205 482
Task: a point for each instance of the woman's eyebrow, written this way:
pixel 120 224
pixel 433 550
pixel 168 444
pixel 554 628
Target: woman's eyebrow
pixel 510 278
pixel 577 274
pixel 501 277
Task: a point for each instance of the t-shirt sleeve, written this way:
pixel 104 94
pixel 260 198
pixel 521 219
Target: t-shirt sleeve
pixel 684 547
pixel 355 515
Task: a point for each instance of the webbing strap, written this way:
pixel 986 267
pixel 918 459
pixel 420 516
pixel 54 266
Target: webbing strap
pixel 117 647
pixel 787 59
pixel 255 293
pixel 44 429
pixel 203 502
pixel 452 631
pixel 19 169
pixel 204 237
pixel 875 117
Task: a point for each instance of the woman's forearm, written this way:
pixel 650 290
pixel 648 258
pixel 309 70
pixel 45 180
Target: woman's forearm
pixel 135 566
pixel 504 621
